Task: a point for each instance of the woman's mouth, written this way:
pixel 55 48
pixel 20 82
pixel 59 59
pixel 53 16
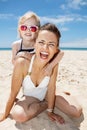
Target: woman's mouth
pixel 43 55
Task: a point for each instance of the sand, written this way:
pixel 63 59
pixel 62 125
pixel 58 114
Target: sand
pixel 72 77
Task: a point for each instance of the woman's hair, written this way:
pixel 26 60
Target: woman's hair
pixel 27 16
pixel 52 28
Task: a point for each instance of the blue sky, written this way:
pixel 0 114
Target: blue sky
pixel 69 15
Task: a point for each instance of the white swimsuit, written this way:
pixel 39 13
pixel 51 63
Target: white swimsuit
pixel 29 89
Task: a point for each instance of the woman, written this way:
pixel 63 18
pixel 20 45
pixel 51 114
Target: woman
pixel 38 87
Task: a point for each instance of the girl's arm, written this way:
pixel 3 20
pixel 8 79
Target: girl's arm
pixel 15 48
pixel 54 62
pixel 16 82
pixel 26 55
pixel 15 55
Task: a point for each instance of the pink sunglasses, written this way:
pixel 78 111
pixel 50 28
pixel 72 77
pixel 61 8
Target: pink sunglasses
pixel 32 28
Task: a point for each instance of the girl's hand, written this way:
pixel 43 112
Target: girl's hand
pixel 25 55
pixel 2 117
pixel 54 62
pixel 56 117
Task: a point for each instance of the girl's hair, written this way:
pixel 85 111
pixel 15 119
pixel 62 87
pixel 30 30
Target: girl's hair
pixel 27 16
pixel 52 28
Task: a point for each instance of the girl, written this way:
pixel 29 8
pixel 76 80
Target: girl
pixel 28 27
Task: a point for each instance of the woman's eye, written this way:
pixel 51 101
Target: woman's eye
pixel 51 45
pixel 41 43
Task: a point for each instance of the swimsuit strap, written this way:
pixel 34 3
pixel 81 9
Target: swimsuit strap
pixel 20 48
pixel 21 45
pixel 31 64
pixel 31 50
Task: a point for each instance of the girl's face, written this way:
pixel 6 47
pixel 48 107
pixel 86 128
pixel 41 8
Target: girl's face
pixel 28 30
pixel 46 46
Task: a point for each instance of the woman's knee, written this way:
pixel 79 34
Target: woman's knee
pixel 21 115
pixel 77 113
pixel 34 108
pixel 18 114
pixel 71 110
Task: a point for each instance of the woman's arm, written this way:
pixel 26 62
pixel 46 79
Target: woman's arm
pixel 16 82
pixel 52 88
pixel 51 97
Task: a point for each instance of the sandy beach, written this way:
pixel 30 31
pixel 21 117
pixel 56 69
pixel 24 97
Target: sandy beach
pixel 72 78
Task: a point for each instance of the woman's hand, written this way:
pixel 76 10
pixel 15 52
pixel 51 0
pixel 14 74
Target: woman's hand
pixel 55 117
pixel 2 117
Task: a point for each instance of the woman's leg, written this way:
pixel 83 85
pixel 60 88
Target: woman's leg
pixel 68 104
pixel 28 108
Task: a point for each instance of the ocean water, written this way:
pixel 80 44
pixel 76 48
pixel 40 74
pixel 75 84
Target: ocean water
pixel 73 48
pixel 62 48
pixel 7 49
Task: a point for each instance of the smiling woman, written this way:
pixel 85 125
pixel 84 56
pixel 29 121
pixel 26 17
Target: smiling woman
pixel 38 86
pixel 46 45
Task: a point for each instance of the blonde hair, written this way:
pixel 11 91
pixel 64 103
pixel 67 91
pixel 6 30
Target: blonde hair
pixel 27 16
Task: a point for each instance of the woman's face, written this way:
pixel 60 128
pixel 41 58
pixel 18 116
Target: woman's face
pixel 46 46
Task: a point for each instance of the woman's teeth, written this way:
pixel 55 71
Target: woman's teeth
pixel 44 55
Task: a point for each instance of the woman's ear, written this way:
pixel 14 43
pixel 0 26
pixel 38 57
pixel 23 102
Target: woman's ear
pixel 58 50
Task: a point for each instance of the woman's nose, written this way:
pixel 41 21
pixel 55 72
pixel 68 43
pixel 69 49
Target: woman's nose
pixel 45 46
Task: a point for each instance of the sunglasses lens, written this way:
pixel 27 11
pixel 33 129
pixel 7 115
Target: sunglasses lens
pixel 23 28
pixel 33 28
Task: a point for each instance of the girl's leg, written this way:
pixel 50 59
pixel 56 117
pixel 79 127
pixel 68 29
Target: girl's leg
pixel 28 108
pixel 68 104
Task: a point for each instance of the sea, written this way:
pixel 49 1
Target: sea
pixel 62 48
